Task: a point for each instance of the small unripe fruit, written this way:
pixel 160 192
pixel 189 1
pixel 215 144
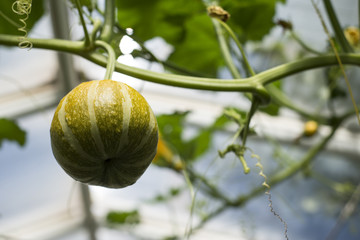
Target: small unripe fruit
pixel 352 35
pixel 104 133
pixel 310 128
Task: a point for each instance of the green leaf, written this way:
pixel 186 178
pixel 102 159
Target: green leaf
pixel 170 194
pixel 272 109
pixel 199 50
pixel 171 128
pixel 10 21
pixel 220 122
pixel 123 217
pixel 161 18
pixel 198 145
pixel 251 19
pixel 201 143
pixel 183 23
pixel 10 131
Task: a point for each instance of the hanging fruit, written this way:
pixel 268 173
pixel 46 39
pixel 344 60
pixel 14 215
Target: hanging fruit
pixel 104 133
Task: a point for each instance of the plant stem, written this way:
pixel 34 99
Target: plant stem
pixel 96 27
pixel 208 187
pixel 238 44
pixel 225 49
pixel 339 34
pixel 254 106
pixel 109 14
pixel 208 217
pixel 212 84
pixel 188 228
pixel 86 34
pixel 244 164
pixel 303 44
pixel 252 84
pixel 110 67
pixel 348 210
pixel 287 69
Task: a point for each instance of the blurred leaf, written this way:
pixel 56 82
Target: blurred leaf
pixel 89 4
pixel 10 131
pixel 161 18
pixel 171 127
pixel 10 21
pixel 123 217
pixel 251 19
pixel 183 24
pixel 220 122
pixel 200 49
pixel 186 26
pixel 272 109
pixel 171 238
pixel 198 145
pixel 172 192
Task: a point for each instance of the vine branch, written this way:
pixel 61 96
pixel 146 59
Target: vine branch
pixel 253 84
pixel 225 49
pixel 110 67
pixel 86 33
pixel 109 20
pixel 339 60
pixel 336 27
pixel 238 44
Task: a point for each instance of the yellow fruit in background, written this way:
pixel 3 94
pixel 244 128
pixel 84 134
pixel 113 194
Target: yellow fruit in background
pixel 104 133
pixel 163 151
pixel 165 157
pixel 310 128
pixel 352 34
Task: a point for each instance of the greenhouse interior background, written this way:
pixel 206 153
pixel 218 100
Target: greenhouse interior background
pixel 39 201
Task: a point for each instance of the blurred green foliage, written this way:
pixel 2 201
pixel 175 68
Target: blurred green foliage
pixel 123 217
pixel 10 131
pixel 185 25
pixel 172 128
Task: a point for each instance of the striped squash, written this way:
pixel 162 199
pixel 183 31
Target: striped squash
pixel 104 133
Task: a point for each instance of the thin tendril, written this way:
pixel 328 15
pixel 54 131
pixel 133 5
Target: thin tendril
pixel 23 8
pixel 276 214
pixel 265 184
